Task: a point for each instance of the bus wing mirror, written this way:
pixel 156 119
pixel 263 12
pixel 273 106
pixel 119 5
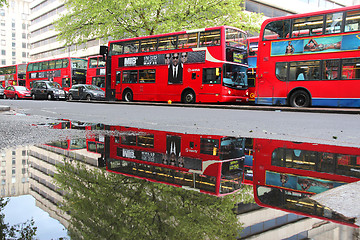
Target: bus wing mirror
pixel 103 51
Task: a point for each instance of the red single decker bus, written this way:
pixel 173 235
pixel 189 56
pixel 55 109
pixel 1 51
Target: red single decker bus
pixel 287 174
pixel 207 65
pixel 206 163
pixel 310 59
pixel 65 71
pixel 13 75
pixel 95 74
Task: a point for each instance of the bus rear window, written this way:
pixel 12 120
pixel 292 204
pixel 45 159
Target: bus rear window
pixel 277 30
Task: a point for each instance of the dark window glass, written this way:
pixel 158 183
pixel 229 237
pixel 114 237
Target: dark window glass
pixel 210 38
pixel 277 30
pixel 350 68
pixel 148 45
pixel 309 70
pixel 130 76
pixel 188 40
pixel 211 76
pixel 131 47
pixel 147 76
pixel 281 71
pixel 331 69
pixel 167 43
pixel 209 146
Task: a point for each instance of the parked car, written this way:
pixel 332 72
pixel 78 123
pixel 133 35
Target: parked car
pixel 47 90
pixel 86 91
pixel 16 92
pixel 1 91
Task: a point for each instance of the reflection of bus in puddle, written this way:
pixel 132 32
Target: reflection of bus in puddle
pixel 287 174
pixel 92 143
pixel 205 163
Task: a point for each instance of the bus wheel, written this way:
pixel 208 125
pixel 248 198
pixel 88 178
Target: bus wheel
pixel 188 97
pixel 300 98
pixel 128 96
pixel 49 97
pixel 88 98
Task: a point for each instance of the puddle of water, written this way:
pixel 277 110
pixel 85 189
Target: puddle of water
pixel 286 173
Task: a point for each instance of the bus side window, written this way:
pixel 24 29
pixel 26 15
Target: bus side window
pixel 352 21
pixel 118 77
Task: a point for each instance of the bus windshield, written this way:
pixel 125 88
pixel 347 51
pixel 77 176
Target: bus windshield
pixel 78 63
pixel 235 76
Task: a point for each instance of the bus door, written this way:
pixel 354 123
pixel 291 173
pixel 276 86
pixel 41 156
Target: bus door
pixel 211 81
pixel 118 87
pixel 264 89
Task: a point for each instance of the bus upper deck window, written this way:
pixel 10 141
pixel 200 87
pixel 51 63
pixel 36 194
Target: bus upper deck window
pixel 277 30
pixel 333 22
pixel 352 21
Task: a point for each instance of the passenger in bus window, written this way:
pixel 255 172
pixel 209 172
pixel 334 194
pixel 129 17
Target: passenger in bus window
pixel 175 70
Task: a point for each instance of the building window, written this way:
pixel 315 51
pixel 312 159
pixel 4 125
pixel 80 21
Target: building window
pixel 3 52
pixel 2 12
pixel 3 62
pixel 13 54
pixel 24 35
pixel 24 54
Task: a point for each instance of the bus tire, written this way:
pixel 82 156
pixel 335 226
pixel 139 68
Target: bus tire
pixel 128 96
pixel 300 98
pixel 70 97
pixel 188 97
pixel 49 97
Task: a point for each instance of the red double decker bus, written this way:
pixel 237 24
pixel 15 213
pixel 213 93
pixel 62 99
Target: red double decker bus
pixel 95 74
pixel 205 163
pixel 13 75
pixel 65 71
pixel 287 174
pixel 207 65
pixel 310 59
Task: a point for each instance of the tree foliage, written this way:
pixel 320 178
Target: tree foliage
pixel 26 230
pixel 104 205
pixel 88 19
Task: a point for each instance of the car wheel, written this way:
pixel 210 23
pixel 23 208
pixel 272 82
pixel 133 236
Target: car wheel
pixel 33 96
pixel 88 98
pixel 5 97
pixel 16 96
pixel 71 97
pixel 49 97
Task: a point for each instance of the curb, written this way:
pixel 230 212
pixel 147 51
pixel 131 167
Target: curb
pixel 237 107
pixel 4 108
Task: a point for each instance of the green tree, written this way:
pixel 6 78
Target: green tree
pixel 89 19
pixel 105 205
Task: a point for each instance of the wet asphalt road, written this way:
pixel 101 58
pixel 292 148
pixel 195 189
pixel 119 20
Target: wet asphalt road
pixel 275 123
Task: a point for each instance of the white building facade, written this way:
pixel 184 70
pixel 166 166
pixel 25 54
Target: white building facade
pixel 14 32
